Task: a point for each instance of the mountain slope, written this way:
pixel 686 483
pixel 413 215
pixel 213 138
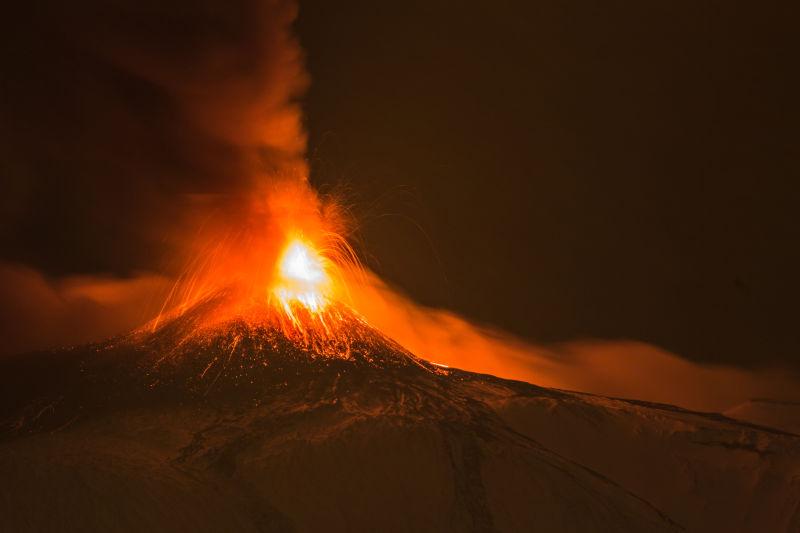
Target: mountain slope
pixel 237 425
pixel 776 414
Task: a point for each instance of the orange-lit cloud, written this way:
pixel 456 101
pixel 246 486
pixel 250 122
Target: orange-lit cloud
pixel 39 312
pixel 626 369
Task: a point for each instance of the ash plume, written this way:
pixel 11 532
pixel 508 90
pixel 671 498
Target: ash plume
pixel 123 122
pixel 127 130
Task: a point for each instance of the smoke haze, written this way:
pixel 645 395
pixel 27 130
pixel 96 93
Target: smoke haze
pixel 124 124
pixel 618 368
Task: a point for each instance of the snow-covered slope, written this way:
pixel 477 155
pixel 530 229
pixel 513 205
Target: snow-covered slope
pixel 238 428
pixel 771 413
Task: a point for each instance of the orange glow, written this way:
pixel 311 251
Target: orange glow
pixel 280 260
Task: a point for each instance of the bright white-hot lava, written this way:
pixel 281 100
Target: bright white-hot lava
pixel 301 278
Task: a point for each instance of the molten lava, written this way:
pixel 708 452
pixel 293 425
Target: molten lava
pixel 301 279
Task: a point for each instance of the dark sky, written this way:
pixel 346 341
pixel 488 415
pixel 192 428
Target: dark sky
pixel 561 169
pixel 568 169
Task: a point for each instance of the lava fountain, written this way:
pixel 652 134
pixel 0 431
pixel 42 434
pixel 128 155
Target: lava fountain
pixel 283 265
pixel 302 279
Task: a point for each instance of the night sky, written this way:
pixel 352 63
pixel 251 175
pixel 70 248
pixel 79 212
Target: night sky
pixel 571 169
pixel 561 170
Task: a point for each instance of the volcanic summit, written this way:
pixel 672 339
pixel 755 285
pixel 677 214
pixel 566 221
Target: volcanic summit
pixel 220 420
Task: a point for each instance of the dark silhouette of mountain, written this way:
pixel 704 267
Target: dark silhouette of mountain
pixel 246 423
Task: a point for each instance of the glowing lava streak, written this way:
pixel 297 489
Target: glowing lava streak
pixel 301 279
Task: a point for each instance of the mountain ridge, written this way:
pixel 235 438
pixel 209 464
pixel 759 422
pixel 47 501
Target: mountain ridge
pixel 244 423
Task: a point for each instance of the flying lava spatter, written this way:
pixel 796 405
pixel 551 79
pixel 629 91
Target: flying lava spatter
pixel 283 264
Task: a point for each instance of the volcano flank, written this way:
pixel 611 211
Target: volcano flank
pixel 246 424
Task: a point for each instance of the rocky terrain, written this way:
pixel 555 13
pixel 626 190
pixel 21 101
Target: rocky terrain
pixel 239 426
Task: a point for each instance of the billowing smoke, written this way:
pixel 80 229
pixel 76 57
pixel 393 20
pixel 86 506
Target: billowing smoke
pixel 126 123
pixel 136 134
pixel 132 133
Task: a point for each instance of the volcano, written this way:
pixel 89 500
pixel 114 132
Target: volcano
pixel 246 424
